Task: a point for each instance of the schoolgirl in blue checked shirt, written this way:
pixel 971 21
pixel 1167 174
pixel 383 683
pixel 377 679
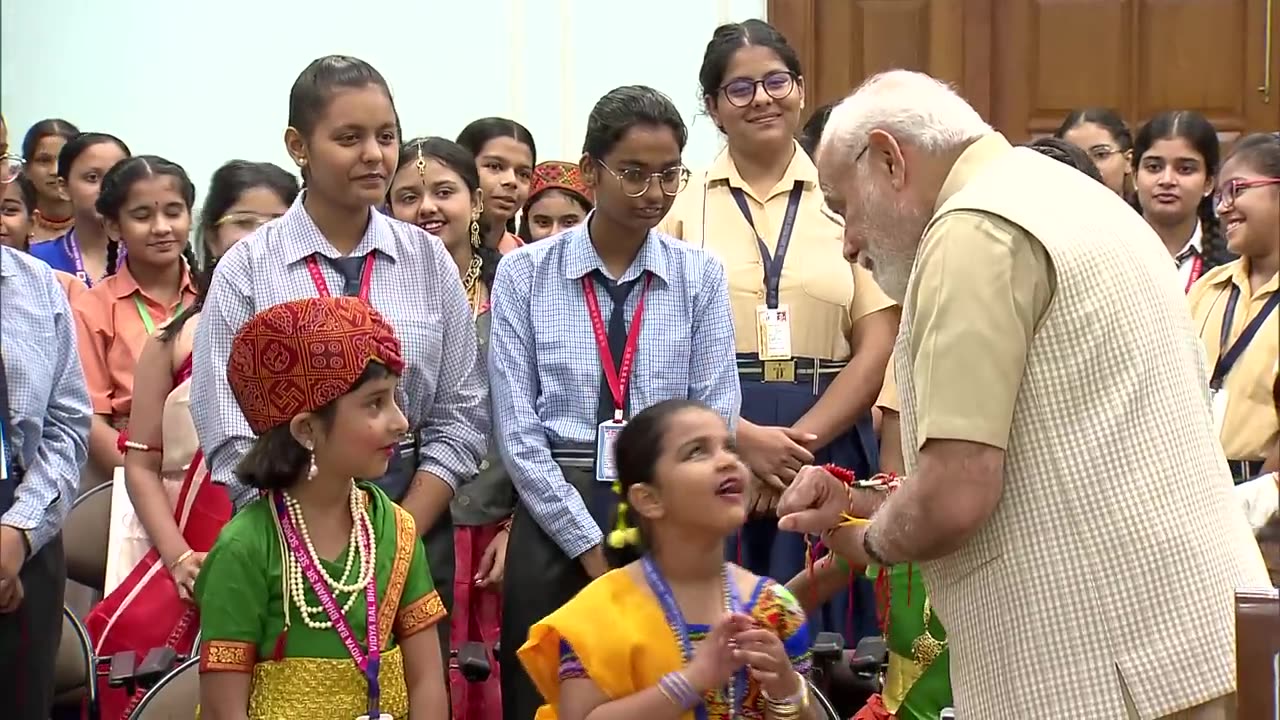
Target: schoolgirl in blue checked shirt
pixel 590 327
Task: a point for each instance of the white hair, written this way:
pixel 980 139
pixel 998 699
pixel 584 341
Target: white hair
pixel 912 107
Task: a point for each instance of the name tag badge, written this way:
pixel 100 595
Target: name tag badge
pixel 606 441
pixel 1218 402
pixel 773 332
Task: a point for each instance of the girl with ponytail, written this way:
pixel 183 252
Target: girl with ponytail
pixel 145 205
pixel 177 510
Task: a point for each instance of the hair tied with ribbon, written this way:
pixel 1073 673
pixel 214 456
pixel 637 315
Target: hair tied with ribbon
pixel 622 535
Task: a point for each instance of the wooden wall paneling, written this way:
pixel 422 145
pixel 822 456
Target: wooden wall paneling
pixel 1051 57
pixel 1186 60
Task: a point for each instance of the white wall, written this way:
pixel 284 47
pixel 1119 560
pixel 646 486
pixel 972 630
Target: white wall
pixel 204 82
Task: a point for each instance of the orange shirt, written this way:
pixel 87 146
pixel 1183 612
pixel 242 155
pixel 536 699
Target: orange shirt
pixel 111 333
pixel 71 285
pixel 509 242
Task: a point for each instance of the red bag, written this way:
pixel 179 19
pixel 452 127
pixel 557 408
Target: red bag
pixel 145 612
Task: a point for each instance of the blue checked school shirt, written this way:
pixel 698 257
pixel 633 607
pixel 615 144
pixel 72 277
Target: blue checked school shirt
pixel 545 369
pixel 48 401
pixel 415 286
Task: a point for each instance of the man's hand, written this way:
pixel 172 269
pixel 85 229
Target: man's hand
pixel 13 551
pixel 775 454
pixel 593 562
pixel 813 503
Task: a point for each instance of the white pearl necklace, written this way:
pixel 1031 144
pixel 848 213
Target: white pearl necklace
pixel 360 543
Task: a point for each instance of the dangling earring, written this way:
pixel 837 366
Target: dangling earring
pixel 475 229
pixel 312 471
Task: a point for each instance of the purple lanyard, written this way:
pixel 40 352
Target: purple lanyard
pixel 72 246
pixel 675 619
pixel 368 664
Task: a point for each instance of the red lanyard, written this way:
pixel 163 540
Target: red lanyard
pixel 1197 268
pixel 617 377
pixel 322 287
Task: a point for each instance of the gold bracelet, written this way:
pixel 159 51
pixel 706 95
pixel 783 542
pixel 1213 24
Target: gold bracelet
pixel 181 558
pixel 788 708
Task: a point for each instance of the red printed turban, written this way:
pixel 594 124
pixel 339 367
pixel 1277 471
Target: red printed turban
pixel 300 356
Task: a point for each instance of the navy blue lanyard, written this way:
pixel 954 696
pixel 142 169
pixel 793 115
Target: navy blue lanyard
pixel 772 263
pixel 1227 357
pixel 675 619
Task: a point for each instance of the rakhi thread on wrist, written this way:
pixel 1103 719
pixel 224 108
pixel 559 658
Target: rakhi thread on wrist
pixel 124 444
pixel 883 482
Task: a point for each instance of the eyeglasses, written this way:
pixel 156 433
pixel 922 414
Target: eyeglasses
pixel 635 182
pixel 10 168
pixel 1230 191
pixel 1098 153
pixel 777 85
pixel 246 221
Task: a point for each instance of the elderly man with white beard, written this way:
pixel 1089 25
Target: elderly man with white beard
pixel 1066 496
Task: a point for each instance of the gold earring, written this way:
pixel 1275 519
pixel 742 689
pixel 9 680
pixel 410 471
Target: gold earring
pixel 475 229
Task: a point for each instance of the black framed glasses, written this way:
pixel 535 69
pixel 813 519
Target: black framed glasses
pixel 10 168
pixel 777 85
pixel 635 182
pixel 1230 191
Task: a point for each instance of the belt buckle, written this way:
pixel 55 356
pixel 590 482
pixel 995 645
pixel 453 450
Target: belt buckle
pixel 778 371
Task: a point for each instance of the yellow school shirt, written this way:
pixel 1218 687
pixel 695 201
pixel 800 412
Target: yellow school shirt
pixel 1250 429
pixel 826 294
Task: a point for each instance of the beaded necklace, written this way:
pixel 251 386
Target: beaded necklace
pixel 680 628
pixel 360 544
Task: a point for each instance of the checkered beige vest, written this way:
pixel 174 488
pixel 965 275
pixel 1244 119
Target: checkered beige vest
pixel 1111 560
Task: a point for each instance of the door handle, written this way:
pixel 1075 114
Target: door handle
pixel 1267 47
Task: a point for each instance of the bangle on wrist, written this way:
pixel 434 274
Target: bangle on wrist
pixel 788 708
pixel 181 558
pixel 678 690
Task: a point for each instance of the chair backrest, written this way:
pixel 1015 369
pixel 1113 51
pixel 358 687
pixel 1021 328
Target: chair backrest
pixel 73 668
pixel 175 697
pixel 85 535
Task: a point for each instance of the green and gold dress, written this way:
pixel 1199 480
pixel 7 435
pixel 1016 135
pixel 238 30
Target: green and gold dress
pixel 305 673
pixel 918 680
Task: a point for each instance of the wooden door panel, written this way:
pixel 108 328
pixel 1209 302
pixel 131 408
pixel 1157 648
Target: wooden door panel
pixel 1140 57
pixel 842 42
pixel 1051 56
pixel 1187 60
pixel 1025 63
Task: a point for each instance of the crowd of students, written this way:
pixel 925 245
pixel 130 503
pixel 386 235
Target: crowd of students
pixel 544 370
